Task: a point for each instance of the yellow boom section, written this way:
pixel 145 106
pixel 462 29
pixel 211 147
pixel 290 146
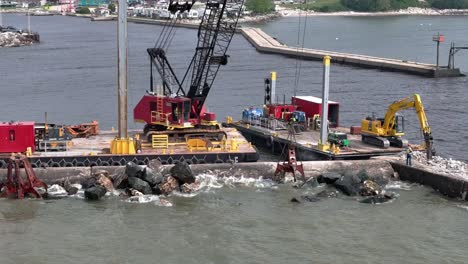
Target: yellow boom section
pixel 406 104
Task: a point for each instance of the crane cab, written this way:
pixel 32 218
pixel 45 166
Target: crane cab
pixel 164 111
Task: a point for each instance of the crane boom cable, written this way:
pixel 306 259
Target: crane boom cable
pixel 302 49
pixel 296 78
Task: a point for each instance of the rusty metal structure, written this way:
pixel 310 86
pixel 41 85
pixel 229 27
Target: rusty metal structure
pixel 15 186
pixel 290 164
pixel 84 130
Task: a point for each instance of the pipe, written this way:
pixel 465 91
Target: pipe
pixel 325 90
pixel 122 68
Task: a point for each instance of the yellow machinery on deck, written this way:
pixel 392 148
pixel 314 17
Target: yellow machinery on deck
pixel 389 130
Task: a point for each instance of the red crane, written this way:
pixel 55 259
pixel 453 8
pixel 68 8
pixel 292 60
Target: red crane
pixel 174 111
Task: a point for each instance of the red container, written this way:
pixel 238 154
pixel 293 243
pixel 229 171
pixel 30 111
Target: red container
pixel 16 136
pixel 279 111
pixel 311 106
pixel 355 130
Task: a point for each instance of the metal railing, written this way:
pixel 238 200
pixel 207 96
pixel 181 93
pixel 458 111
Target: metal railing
pixel 270 123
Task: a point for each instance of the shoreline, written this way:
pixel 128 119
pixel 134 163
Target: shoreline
pixel 286 12
pixel 411 11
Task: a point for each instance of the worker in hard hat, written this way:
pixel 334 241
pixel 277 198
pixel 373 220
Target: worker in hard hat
pixel 409 156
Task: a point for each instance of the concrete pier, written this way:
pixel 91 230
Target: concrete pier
pixel 265 43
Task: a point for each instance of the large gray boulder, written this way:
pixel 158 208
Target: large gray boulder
pixel 88 182
pixel 182 172
pixel 328 178
pixel 95 192
pixel 134 170
pixel 348 184
pixel 152 177
pixel 139 185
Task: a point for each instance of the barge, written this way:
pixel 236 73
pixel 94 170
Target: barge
pixel 94 151
pixel 306 143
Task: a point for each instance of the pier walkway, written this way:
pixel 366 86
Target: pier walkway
pixel 265 43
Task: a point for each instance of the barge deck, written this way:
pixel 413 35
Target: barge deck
pixel 306 144
pixel 94 151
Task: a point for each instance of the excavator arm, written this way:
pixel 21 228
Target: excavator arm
pixel 409 102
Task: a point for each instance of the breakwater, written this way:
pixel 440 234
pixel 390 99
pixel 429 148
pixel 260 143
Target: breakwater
pixel 449 185
pixel 267 44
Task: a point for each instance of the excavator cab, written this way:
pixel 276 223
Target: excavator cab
pixel 399 125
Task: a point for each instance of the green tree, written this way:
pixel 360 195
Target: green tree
pixel 111 7
pixel 260 6
pixel 83 10
pixel 379 5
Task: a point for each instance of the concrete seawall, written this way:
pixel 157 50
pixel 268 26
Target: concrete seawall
pixel 450 186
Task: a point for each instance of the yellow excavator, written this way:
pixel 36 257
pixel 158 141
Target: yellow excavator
pixel 387 131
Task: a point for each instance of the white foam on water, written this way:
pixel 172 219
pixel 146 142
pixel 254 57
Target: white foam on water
pixel 56 190
pixel 208 182
pixel 463 206
pixel 79 194
pixel 399 185
pixel 144 199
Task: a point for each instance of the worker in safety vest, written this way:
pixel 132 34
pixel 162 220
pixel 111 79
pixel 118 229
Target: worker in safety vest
pixel 409 156
pixel 292 120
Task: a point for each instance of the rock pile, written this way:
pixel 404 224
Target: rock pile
pixel 441 165
pixel 97 186
pixel 359 184
pixel 136 181
pixel 146 180
pixel 14 39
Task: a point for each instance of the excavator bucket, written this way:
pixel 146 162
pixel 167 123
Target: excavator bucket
pixel 289 165
pixel 15 185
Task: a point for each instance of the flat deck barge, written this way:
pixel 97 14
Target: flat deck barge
pixel 306 143
pixel 94 151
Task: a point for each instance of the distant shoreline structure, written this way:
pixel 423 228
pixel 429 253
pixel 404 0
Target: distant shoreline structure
pixel 285 12
pixel 411 11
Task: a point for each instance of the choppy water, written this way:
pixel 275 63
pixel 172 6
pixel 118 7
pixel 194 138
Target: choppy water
pixel 72 76
pixel 243 222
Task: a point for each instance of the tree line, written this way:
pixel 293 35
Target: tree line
pixel 386 5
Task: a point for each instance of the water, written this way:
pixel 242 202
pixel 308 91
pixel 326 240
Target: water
pixel 72 76
pixel 236 224
pixel 400 37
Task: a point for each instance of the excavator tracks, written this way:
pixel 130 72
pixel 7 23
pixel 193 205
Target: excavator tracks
pixel 376 141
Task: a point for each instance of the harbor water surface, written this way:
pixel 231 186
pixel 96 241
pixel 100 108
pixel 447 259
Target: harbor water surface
pixel 71 75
